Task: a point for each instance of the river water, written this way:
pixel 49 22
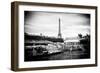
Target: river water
pixel 62 56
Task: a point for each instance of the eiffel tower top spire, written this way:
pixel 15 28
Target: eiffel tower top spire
pixel 59 29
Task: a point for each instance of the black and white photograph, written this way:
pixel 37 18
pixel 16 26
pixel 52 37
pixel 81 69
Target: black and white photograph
pixel 53 36
pixel 56 36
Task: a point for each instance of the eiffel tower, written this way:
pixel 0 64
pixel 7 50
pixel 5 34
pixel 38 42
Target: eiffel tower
pixel 59 30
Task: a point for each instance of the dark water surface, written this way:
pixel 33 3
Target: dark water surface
pixel 61 56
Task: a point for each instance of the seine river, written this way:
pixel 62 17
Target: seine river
pixel 62 56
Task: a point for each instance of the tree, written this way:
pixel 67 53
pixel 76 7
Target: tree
pixel 80 35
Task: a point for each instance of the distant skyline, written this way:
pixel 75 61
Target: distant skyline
pixel 47 23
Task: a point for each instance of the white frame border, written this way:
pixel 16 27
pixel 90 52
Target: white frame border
pixel 33 64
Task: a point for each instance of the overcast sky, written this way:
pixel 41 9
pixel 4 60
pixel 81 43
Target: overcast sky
pixel 47 23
